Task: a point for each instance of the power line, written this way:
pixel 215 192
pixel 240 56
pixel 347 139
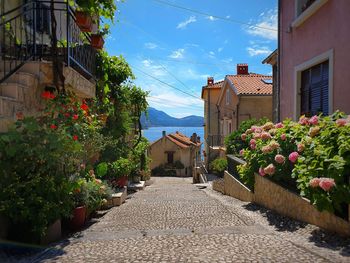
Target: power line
pixel 214 16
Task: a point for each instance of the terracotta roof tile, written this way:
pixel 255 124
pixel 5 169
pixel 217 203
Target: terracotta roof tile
pixel 181 140
pixel 216 85
pixel 252 84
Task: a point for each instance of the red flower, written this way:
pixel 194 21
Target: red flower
pixel 53 126
pixel 84 107
pixel 75 116
pixel 75 137
pixel 19 115
pixel 67 114
pixel 47 95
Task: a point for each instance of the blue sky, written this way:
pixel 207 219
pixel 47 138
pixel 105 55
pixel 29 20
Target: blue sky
pixel 182 48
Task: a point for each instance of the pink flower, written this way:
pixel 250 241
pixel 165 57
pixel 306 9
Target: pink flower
pixel 252 146
pixel 279 125
pixel 249 131
pixel 257 135
pixel 327 184
pixel 266 149
pixel 253 128
pixel 341 122
pixel 301 147
pixel 261 171
pixel 274 145
pixel 241 152
pixel 258 130
pixel 303 120
pixel 293 157
pixel 252 141
pixel 280 158
pixel 244 137
pixel 270 169
pixel 313 120
pixel 315 182
pixel 265 136
pixel 283 136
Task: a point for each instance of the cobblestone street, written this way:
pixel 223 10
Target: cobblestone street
pixel 175 221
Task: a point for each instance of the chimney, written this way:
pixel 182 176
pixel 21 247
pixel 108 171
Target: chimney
pixel 194 138
pixel 242 69
pixel 210 81
pixel 163 133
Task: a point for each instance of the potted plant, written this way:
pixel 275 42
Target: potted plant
pixel 80 195
pixel 83 20
pixel 121 169
pixel 97 41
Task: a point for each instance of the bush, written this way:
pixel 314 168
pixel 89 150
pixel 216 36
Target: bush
pixel 234 143
pixel 179 165
pixel 311 157
pixel 158 171
pixel 219 165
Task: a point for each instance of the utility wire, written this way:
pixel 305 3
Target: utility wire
pixel 214 16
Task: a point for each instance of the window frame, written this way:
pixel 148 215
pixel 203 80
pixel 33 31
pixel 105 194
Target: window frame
pixel 328 55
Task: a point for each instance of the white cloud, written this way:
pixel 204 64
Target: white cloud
pixel 183 25
pixel 154 70
pixel 266 22
pixel 257 51
pixel 170 99
pixel 220 49
pixel 211 18
pixel 228 17
pixel 177 53
pixel 151 45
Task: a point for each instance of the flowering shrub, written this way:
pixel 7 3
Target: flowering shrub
pixel 311 156
pixel 219 165
pixel 237 140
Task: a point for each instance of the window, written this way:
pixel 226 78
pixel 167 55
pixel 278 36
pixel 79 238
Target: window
pixel 170 157
pixel 302 5
pixel 314 97
pixel 227 97
pixel 42 15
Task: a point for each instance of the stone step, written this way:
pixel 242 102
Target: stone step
pixel 27 79
pixel 9 107
pixel 14 90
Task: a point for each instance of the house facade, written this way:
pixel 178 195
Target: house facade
pixel 243 96
pixel 210 96
pixel 314 57
pixel 173 148
pixel 26 56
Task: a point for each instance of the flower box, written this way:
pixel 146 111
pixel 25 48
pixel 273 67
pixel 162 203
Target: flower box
pixel 97 41
pixel 84 21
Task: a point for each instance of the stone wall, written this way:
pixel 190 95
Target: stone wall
pixel 236 189
pixel 219 185
pixel 281 200
pixel 277 198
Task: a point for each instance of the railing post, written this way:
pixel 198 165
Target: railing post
pixel 68 34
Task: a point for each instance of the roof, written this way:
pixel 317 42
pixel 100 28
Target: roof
pixel 251 84
pixel 272 58
pixel 181 140
pixel 216 85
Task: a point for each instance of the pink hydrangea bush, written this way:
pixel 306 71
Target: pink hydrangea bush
pixel 295 153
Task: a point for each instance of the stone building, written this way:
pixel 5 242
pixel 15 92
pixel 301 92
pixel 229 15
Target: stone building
pixel 171 149
pixel 26 57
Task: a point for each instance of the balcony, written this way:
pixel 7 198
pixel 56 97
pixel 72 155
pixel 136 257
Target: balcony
pixel 216 141
pixel 26 36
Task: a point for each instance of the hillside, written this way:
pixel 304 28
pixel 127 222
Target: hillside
pixel 158 118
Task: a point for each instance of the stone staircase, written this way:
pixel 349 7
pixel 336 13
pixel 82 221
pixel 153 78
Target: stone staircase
pixel 17 95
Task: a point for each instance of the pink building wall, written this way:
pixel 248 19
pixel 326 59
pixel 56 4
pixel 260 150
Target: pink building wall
pixel 327 29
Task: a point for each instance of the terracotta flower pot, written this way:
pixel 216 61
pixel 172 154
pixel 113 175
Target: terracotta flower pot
pixel 97 41
pixel 122 181
pixel 78 219
pixel 84 21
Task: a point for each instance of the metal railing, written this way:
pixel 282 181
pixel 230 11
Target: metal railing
pixel 25 34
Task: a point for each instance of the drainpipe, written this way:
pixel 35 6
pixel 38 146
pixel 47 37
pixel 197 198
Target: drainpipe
pixel 237 112
pixel 278 114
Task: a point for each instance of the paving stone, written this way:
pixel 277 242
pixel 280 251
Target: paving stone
pixel 174 221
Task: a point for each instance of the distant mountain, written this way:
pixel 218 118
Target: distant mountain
pixel 158 118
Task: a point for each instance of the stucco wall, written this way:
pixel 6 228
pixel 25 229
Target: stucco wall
pixel 325 30
pixel 255 107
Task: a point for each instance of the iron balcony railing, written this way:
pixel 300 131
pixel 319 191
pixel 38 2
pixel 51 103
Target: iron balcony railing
pixel 25 35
